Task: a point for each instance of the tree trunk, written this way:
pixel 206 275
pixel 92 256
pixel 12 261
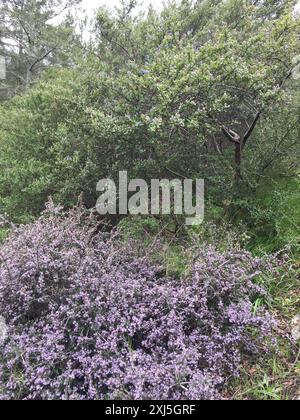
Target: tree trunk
pixel 238 162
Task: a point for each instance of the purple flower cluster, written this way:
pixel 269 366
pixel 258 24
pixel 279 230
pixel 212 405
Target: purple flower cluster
pixel 87 320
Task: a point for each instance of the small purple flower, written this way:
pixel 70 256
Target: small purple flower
pixel 89 320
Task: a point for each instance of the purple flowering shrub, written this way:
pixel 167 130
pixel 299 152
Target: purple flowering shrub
pixel 88 320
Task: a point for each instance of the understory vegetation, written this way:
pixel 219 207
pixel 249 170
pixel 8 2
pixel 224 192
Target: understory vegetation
pixel 144 307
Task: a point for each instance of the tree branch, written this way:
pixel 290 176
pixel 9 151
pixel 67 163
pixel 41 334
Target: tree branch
pixel 112 41
pixel 39 60
pixel 26 32
pixel 231 135
pixel 251 128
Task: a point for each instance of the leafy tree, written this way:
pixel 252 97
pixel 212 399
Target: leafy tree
pixel 223 74
pixel 175 94
pixel 28 40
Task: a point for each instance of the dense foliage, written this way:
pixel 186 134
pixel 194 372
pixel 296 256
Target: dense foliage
pixel 88 320
pixel 203 90
pixel 29 43
pixel 148 308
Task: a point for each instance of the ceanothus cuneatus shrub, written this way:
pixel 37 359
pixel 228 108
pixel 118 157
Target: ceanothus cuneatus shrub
pixel 88 320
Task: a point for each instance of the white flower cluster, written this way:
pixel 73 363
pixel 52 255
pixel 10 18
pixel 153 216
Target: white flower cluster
pixel 297 10
pixel 296 328
pixel 2 68
pixel 296 69
pixel 3 330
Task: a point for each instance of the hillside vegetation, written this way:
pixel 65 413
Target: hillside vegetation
pixel 205 89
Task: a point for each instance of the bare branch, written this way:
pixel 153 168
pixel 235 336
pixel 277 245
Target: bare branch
pixel 112 41
pixel 251 128
pixel 39 60
pixel 26 32
pixel 231 135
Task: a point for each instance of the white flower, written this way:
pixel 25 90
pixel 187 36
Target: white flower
pixel 176 120
pixel 3 330
pixel 296 70
pixel 297 10
pixel 296 328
